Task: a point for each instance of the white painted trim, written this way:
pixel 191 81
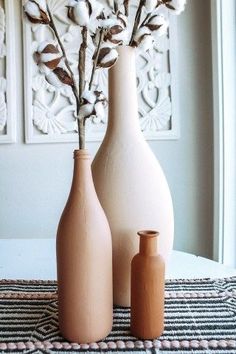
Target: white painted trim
pixel 10 136
pixel 174 70
pixel 224 85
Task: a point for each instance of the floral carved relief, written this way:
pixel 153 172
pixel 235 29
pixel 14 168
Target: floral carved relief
pixel 8 114
pixel 49 117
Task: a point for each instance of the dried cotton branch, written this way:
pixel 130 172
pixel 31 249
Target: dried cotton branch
pixel 74 87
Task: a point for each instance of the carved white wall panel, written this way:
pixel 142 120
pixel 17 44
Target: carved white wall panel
pixel 7 73
pixel 48 111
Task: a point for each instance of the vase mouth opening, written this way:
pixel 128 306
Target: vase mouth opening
pixel 148 233
pixel 81 154
pixel 125 49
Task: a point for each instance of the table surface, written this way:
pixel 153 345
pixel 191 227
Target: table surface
pixel 36 259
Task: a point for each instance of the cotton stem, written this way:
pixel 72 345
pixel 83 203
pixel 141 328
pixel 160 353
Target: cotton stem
pixel 96 57
pixel 82 61
pixel 74 86
pixel 137 20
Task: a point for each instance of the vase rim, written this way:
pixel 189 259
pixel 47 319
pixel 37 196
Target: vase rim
pixel 148 233
pixel 81 154
pixel 126 47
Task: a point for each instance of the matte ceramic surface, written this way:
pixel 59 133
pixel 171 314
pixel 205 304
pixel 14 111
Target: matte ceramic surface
pixel 147 289
pixel 128 179
pixel 84 261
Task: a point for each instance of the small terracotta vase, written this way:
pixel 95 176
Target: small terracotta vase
pixel 147 288
pixel 84 261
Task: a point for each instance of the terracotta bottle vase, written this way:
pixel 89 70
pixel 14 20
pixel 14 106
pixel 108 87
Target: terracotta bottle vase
pixel 84 261
pixel 129 181
pixel 147 289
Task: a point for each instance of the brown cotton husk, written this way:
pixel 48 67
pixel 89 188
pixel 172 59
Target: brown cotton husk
pixel 152 27
pixel 122 19
pixel 139 40
pixel 115 29
pixel 102 54
pixel 51 49
pixel 44 20
pixel 52 64
pixel 70 13
pixel 170 7
pixel 112 32
pixel 108 64
pixel 63 76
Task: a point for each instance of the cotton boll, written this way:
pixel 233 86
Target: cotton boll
pixel 176 6
pixel 36 11
pixel 108 22
pixel 143 39
pixel 100 110
pixel 150 5
pixel 116 29
pixel 42 4
pixel 48 54
pixel 93 105
pixel 86 110
pixel 158 23
pixel 99 107
pixel 97 8
pixel 79 12
pixel 89 96
pixel 146 43
pixel 83 12
pixel 120 38
pixel 32 9
pixel 87 107
pixel 107 57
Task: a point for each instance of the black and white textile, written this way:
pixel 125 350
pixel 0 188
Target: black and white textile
pixel 200 317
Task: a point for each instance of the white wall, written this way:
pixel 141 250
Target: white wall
pixel 35 179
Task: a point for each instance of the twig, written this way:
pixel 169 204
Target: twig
pixel 96 55
pixel 149 15
pixel 81 68
pixel 115 6
pixel 126 6
pixel 137 20
pixel 82 60
pixel 81 127
pixel 74 87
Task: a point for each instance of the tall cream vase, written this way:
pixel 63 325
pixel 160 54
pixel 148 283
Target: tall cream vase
pixel 129 181
pixel 84 261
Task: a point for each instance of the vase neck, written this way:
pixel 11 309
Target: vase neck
pixel 148 243
pixel 123 101
pixel 82 176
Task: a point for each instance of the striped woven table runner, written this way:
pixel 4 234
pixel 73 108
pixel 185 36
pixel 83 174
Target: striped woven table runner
pixel 200 317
